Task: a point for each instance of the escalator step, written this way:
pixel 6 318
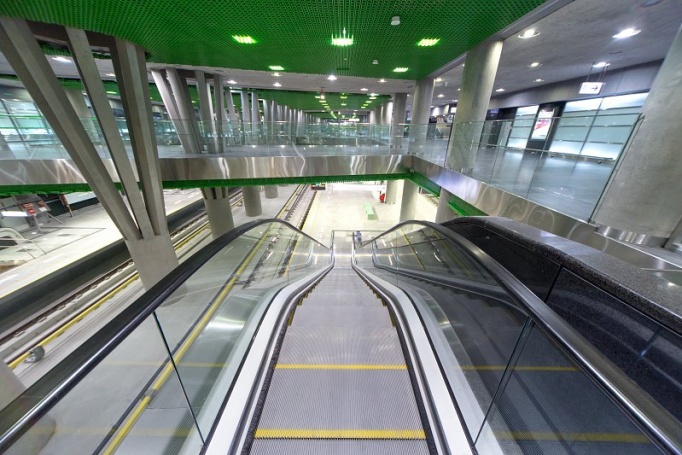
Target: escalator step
pixel 338 447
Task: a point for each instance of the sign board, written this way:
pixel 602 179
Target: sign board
pixel 590 88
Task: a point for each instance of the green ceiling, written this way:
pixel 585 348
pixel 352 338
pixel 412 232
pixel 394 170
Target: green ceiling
pixel 308 101
pixel 295 34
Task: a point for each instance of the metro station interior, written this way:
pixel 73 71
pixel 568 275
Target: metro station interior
pixel 341 227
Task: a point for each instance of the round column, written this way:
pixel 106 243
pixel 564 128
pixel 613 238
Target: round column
pixel 444 212
pixel 392 191
pixel 218 210
pixel 271 192
pixel 252 204
pixel 408 206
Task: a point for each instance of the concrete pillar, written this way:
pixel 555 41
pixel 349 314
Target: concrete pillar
pixel 392 191
pixel 75 96
pixel 205 112
pixel 218 210
pixel 183 101
pixel 234 118
pixel 246 116
pixel 251 197
pixel 219 96
pixel 398 120
pixel 444 212
pixel 5 151
pixel 478 79
pixel 642 200
pixel 421 111
pixel 255 117
pixel 270 191
pixel 408 205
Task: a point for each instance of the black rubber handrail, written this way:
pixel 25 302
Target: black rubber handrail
pixel 45 393
pixel 662 427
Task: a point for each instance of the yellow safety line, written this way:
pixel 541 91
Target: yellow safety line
pixel 582 437
pixel 328 366
pixel 180 364
pixel 132 418
pixel 296 433
pixel 517 368
pixel 57 333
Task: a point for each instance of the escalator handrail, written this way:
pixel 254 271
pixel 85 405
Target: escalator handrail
pixel 72 369
pixel 656 421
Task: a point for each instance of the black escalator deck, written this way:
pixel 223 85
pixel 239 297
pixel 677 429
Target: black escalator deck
pixel 340 383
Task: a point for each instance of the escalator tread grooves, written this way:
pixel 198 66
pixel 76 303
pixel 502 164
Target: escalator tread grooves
pixel 413 381
pixel 260 404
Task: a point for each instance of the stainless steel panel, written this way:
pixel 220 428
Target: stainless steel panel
pixel 61 171
pixel 496 202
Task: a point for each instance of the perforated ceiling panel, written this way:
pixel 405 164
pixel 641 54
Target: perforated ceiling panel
pixel 295 34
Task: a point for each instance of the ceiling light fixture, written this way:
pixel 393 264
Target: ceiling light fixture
pixel 425 42
pixel 395 20
pixel 343 97
pixel 535 64
pixel 110 75
pixel 363 89
pixel 342 40
pixel 441 95
pixel 111 92
pixel 276 68
pixel 530 33
pixel 627 33
pixel 343 104
pixel 375 62
pixel 331 77
pixel 382 80
pixel 61 59
pixel 373 94
pixel 276 74
pixel 244 39
pixel 400 69
pixel 277 84
pixel 539 80
pixel 231 82
pixel 601 64
pixel 438 79
pixel 500 90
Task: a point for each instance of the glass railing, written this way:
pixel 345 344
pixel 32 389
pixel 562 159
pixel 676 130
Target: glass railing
pixel 158 374
pixel 524 381
pixel 566 168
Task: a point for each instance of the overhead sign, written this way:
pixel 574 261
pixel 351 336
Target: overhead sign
pixel 590 88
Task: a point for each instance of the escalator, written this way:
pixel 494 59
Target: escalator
pixel 266 341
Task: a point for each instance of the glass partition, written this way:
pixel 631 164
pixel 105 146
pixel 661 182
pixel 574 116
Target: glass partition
pixel 162 388
pixel 517 390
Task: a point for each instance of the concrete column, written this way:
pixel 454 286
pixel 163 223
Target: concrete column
pixel 408 205
pixel 398 120
pixel 266 111
pixel 478 79
pixel 251 197
pixel 185 109
pixel 234 118
pixel 75 96
pixel 444 212
pixel 270 191
pixel 246 116
pixel 392 191
pixel 218 210
pixel 421 111
pixel 171 105
pixel 205 112
pixel 255 117
pixel 387 112
pixel 642 202
pixel 5 151
pixel 218 93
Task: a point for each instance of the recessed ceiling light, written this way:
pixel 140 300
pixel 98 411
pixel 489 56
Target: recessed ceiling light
pixel 231 81
pixel 375 62
pixel 395 20
pixel 539 80
pixel 382 80
pixel 322 96
pixel 342 40
pixel 276 68
pixel 244 39
pixel 373 94
pixel 276 74
pixel 110 75
pixel 441 96
pixel 372 97
pixel 331 77
pixel 400 69
pixel 111 92
pixel 424 42
pixel 277 84
pixel 500 90
pixel 363 89
pixel 317 96
pixel 530 33
pixel 343 104
pixel 343 97
pixel 439 79
pixel 535 64
pixel 61 59
pixel 601 64
pixel 626 33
